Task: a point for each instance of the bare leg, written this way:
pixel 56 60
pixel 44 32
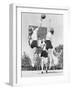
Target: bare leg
pixel 42 65
pixel 46 68
pixel 46 64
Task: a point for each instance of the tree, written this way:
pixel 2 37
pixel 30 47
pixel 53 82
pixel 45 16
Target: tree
pixel 26 62
pixel 38 63
pixel 59 50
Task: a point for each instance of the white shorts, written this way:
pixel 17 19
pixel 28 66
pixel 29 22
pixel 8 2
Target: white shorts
pixel 44 60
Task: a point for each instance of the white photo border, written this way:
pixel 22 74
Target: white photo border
pixel 16 64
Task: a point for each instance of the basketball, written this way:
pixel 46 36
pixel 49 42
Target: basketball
pixel 43 16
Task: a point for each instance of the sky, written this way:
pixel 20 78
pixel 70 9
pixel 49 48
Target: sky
pixel 52 20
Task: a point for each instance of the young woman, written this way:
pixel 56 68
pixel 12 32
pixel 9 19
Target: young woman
pixel 44 55
pixel 49 45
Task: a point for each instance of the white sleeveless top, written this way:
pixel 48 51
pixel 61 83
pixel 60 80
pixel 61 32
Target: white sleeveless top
pixel 34 35
pixel 48 36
